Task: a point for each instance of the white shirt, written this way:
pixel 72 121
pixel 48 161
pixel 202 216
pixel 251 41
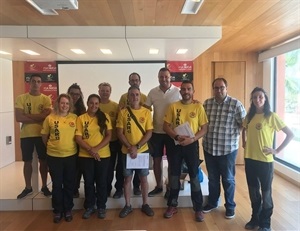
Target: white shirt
pixel 160 101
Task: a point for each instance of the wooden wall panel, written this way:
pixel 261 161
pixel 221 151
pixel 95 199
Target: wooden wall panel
pixel 19 88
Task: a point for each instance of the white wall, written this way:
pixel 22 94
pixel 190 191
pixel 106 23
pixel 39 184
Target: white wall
pixel 7 151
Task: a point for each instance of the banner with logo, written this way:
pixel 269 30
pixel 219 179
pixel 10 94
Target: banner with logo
pixel 48 72
pixel 180 71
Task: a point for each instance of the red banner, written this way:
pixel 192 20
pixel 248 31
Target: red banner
pixel 40 67
pixel 180 71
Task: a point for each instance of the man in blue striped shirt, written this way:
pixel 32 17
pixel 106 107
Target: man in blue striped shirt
pixel 225 115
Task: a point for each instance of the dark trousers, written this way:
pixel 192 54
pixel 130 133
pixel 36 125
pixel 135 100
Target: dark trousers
pixel 78 175
pixel 115 163
pixel 95 172
pixel 190 155
pixel 62 170
pixel 259 177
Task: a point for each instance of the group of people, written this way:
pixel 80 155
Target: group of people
pixel 95 141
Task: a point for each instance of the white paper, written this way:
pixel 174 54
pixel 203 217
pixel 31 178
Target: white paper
pixel 184 130
pixel 140 162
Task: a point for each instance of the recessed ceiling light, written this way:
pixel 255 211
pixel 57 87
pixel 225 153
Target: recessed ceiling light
pixel 191 6
pixel 42 11
pixel 78 51
pixel 4 53
pixel 30 52
pixel 153 51
pixel 181 51
pixel 106 51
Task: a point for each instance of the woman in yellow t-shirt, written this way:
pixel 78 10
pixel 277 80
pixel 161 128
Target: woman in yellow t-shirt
pixel 93 135
pixel 58 134
pixel 258 134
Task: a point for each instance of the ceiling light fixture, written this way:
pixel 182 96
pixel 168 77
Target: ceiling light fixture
pixel 4 53
pixel 42 11
pixel 78 51
pixel 106 51
pixel 191 6
pixel 30 52
pixel 153 51
pixel 181 51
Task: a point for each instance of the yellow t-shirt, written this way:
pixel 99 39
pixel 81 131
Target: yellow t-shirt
pixel 111 109
pixel 131 131
pixel 61 131
pixel 88 128
pixel 260 133
pixel 32 105
pixel 194 113
pixel 123 102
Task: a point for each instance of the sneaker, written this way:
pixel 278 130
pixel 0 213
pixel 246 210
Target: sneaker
pixel 199 216
pixel 57 218
pixel 264 229
pixel 207 208
pixel 88 213
pixel 252 224
pixel 101 213
pixel 147 210
pixel 25 193
pixel 167 194
pixel 170 212
pixel 125 211
pixel 46 191
pixel 155 191
pixel 118 194
pixel 137 191
pixel 229 214
pixel 68 216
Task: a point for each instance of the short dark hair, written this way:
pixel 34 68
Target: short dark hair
pixel 187 81
pixel 222 79
pixel 35 75
pixel 134 73
pixel 164 69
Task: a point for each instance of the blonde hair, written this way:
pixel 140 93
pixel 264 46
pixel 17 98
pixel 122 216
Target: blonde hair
pixel 56 108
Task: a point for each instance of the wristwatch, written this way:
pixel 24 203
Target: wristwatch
pixel 138 146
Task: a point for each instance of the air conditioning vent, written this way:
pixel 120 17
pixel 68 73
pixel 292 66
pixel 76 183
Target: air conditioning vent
pixel 57 4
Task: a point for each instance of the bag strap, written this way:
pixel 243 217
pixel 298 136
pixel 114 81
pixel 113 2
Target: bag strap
pixel 135 120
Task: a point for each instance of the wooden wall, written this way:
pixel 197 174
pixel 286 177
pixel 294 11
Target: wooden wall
pixel 202 80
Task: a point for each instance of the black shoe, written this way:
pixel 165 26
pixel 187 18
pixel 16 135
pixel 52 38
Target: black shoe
pixel 46 191
pixel 252 224
pixel 68 216
pixel 207 208
pixel 125 211
pixel 101 213
pixel 155 192
pixel 88 213
pixel 118 194
pixel 57 217
pixel 137 191
pixel 25 193
pixel 147 210
pixel 229 214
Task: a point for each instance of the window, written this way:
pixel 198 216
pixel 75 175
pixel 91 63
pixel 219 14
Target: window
pixel 287 104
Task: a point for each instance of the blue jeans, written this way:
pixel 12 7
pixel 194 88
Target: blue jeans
pixel 190 155
pixel 221 167
pixel 260 175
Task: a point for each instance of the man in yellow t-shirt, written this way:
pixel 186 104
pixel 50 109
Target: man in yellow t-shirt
pixel 186 148
pixel 31 109
pixel 134 140
pixel 134 80
pixel 111 108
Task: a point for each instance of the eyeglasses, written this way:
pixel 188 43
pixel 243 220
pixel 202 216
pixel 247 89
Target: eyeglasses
pixel 219 88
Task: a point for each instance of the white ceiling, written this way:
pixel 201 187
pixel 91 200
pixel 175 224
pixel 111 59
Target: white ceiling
pixel 126 43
